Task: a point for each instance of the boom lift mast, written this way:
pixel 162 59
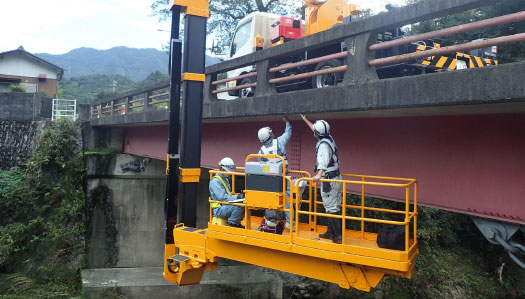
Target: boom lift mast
pixel 181 203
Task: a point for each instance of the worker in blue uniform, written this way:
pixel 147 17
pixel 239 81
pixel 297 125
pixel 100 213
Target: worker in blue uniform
pixel 276 146
pixel 220 190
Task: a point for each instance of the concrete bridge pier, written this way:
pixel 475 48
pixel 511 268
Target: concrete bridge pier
pixel 125 243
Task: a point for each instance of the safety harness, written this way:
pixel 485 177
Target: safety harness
pixel 333 166
pixel 217 205
pixel 273 148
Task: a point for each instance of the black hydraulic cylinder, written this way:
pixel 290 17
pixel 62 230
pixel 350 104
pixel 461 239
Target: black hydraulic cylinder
pixel 172 188
pixel 194 57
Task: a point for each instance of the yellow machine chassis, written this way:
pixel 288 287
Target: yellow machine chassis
pixel 358 262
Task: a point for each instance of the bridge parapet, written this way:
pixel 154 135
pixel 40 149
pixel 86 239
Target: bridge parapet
pixel 357 37
pixel 143 99
pixel 361 89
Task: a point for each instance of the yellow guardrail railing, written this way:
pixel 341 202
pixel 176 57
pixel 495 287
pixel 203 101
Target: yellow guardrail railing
pixel 295 199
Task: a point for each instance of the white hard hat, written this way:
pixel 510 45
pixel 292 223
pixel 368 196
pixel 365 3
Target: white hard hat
pixel 264 134
pixel 321 128
pixel 227 164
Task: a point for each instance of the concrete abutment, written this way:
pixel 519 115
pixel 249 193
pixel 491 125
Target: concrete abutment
pixel 125 212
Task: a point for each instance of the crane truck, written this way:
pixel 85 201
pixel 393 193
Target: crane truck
pixel 260 30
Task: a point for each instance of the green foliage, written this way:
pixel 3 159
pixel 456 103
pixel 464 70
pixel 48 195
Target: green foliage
pixel 506 53
pixel 9 181
pixel 16 88
pixel 155 77
pixel 42 222
pixel 6 244
pixel 225 14
pixel 365 13
pixel 100 152
pixel 106 94
pixel 438 227
pixel 85 89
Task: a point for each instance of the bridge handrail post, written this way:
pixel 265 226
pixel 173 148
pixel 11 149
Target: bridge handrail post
pixel 264 87
pixel 358 56
pixel 147 105
pixel 128 100
pixel 208 88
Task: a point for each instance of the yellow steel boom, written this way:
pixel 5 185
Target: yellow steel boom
pixel 323 15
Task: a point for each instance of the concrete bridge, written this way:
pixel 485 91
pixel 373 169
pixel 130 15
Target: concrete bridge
pixel 460 133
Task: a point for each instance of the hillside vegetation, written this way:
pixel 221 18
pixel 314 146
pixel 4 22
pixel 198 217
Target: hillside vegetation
pixel 135 64
pixel 86 89
pixel 42 225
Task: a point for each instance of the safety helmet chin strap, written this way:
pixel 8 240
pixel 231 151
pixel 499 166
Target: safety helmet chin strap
pixel 319 136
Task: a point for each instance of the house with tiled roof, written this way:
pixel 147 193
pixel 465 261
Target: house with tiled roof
pixel 33 74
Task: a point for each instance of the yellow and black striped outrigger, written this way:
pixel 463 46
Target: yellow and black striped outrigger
pixel 450 62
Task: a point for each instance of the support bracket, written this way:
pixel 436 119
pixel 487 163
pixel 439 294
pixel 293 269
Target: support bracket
pixel 190 175
pixel 193 77
pixel 193 7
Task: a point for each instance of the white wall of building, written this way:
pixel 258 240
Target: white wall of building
pixel 23 66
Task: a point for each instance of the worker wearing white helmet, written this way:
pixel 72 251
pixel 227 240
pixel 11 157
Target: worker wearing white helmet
pixel 276 146
pixel 272 145
pixel 220 190
pixel 327 167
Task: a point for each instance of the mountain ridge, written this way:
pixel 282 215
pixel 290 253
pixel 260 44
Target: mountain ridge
pixel 133 63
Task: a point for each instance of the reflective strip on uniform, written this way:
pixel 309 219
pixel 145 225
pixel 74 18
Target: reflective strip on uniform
pixel 216 205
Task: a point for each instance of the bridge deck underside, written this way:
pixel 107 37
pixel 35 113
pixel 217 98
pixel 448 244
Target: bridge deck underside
pixel 472 164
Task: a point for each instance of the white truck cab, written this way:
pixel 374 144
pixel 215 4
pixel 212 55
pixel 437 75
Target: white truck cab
pixel 254 25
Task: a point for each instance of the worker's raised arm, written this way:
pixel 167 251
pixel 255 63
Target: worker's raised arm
pixel 309 123
pixel 285 137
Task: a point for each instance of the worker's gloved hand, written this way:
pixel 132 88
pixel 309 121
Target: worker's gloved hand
pixel 240 195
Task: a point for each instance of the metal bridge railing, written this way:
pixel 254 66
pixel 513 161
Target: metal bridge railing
pixel 148 98
pixel 359 58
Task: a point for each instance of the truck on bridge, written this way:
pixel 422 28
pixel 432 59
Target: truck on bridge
pixel 259 30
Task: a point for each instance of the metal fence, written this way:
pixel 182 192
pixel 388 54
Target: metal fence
pixel 64 109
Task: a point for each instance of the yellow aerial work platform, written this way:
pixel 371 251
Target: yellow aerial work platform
pixel 357 262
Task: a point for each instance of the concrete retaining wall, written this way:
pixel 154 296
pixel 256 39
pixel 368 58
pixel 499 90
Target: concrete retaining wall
pixel 24 106
pixel 18 141
pixel 125 212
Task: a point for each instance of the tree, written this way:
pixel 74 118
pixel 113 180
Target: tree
pixel 155 77
pixel 506 53
pixel 225 14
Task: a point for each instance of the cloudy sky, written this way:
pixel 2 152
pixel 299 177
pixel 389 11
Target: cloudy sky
pixel 58 26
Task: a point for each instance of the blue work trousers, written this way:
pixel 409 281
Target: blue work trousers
pixel 234 214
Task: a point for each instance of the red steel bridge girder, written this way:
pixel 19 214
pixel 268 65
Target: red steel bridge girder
pixel 470 164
